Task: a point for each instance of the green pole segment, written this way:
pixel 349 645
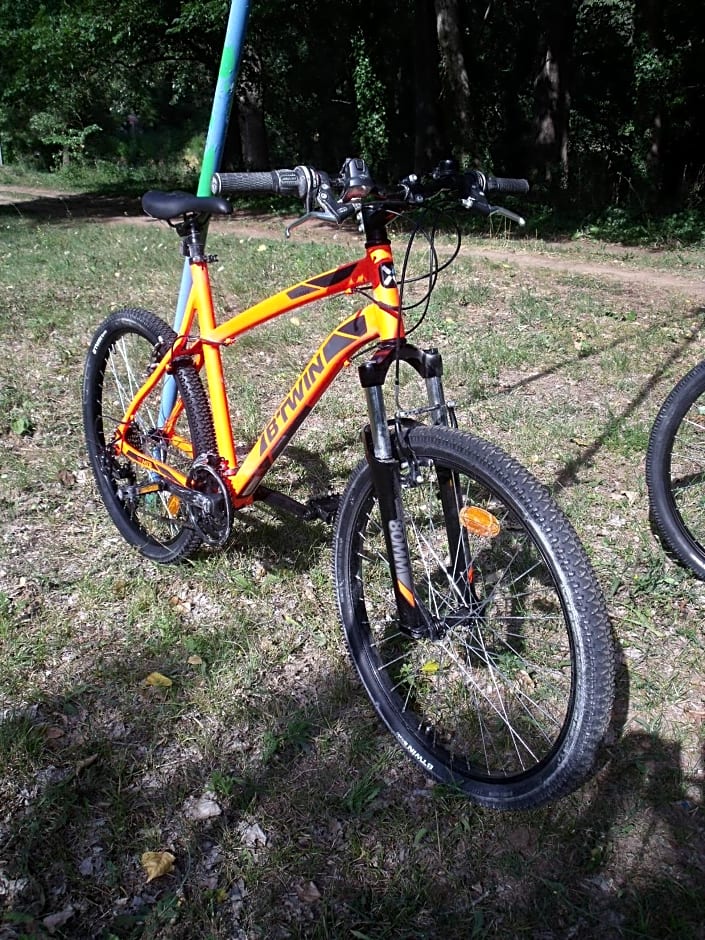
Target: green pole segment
pixel 213 152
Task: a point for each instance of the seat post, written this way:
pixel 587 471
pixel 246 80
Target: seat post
pixel 193 236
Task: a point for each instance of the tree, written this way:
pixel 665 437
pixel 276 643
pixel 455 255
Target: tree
pixel 455 74
pixel 596 100
pixel 429 136
pixel 552 89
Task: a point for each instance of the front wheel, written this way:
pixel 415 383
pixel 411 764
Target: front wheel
pixel 675 471
pixel 510 699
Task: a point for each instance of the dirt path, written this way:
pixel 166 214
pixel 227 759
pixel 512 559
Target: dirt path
pixel 690 285
pixel 626 265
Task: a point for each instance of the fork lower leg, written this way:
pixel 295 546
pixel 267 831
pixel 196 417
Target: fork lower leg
pixel 386 478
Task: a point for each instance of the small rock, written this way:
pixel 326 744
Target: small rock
pixel 52 921
pixel 251 834
pixel 205 807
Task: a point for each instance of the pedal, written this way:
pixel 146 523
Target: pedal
pixel 324 507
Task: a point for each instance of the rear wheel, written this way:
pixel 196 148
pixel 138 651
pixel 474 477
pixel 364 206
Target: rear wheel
pixel 511 698
pixel 675 471
pixel 123 352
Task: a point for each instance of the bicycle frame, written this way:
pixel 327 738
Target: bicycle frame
pixel 379 321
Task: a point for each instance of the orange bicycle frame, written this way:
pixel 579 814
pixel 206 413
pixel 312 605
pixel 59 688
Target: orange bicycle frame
pixel 379 320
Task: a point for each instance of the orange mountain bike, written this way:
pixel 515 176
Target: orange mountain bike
pixel 467 602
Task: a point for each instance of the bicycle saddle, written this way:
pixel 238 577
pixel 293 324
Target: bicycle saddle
pixel 164 206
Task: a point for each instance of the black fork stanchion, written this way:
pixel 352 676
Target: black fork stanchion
pixel 384 464
pixel 448 483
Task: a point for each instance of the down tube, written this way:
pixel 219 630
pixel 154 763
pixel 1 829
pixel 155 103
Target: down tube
pixel 350 336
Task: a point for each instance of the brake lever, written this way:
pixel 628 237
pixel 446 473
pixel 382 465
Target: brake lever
pixel 331 210
pixel 321 216
pixel 508 214
pixel 481 205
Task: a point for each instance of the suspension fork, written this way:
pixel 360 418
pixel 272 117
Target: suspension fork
pixel 386 478
pixel 449 486
pixel 385 449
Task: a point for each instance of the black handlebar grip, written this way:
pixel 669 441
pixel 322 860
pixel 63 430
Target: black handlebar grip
pixel 223 183
pixel 284 182
pixel 504 184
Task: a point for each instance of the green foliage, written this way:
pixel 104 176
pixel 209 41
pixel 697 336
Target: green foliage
pixel 633 228
pixel 630 76
pixel 51 129
pixel 371 113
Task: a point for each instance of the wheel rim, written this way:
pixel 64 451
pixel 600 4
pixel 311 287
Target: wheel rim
pixel 492 697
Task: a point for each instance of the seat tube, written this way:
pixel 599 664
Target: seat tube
pixel 213 364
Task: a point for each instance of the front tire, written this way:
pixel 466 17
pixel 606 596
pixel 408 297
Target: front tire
pixel 510 702
pixel 123 351
pixel 675 471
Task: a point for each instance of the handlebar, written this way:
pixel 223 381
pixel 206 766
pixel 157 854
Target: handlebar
pixel 334 200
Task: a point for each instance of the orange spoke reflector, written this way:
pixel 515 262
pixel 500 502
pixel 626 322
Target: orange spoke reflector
pixel 173 505
pixel 479 521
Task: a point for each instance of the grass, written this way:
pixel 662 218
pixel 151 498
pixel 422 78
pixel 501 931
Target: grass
pixel 325 829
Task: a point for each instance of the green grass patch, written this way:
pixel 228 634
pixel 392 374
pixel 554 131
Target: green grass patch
pixel 319 826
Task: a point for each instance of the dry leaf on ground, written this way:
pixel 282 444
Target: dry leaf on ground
pixel 157 679
pixel 157 864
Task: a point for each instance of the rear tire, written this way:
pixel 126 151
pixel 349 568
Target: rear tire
pixel 123 351
pixel 675 471
pixel 511 702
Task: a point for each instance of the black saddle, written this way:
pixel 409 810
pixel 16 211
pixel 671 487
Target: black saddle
pixel 167 206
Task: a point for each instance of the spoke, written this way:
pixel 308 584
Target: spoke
pixel 495 686
pixel 499 712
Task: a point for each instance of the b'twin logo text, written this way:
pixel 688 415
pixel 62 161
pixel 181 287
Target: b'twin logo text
pixel 414 753
pixel 98 342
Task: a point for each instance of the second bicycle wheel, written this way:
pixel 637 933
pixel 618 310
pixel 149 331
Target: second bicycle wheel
pixel 123 352
pixel 511 698
pixel 675 471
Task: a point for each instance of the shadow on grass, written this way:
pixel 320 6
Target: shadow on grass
pixel 109 203
pixel 72 206
pixel 323 829
pixel 569 474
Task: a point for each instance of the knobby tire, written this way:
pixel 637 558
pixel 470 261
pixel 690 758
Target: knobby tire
pixel 511 702
pixel 675 471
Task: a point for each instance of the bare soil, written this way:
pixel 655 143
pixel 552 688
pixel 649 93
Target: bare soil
pixel 616 262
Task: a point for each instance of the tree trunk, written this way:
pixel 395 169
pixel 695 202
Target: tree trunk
pixel 552 94
pixel 651 18
pixel 250 115
pixel 430 144
pixel 450 43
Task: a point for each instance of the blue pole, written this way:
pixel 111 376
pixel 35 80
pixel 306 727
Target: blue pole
pixel 215 141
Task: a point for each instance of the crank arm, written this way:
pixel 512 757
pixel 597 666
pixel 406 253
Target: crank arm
pixel 201 501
